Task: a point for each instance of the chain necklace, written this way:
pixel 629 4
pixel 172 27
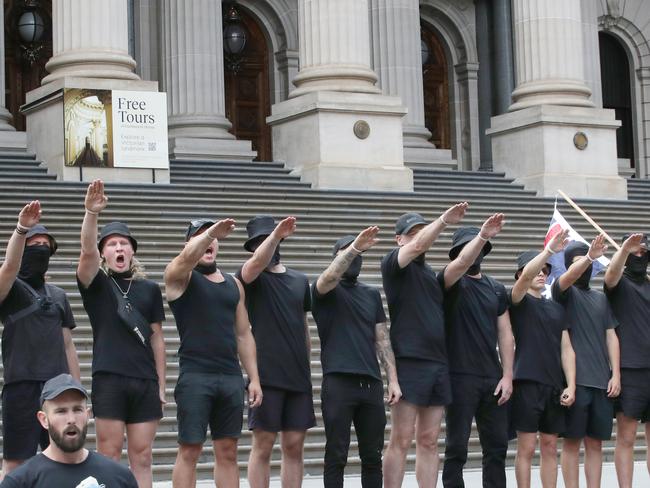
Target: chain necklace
pixel 125 294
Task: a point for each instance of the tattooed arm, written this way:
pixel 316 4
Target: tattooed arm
pixel 387 359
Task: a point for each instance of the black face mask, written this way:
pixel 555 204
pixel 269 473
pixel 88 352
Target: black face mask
pixel 475 268
pixel 125 275
pixel 584 279
pixel 352 273
pixel 33 267
pixel 275 259
pixel 636 267
pixel 206 269
pixel 419 259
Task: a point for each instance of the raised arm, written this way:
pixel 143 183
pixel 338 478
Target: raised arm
pixel 71 354
pixel 89 260
pixel 247 350
pixel 263 254
pixel 507 354
pixel 178 272
pixel 428 235
pixel 596 250
pixel 532 269
pixel 568 356
pixel 328 280
pixel 28 217
pixel 614 384
pixel 459 266
pixel 387 359
pixel 615 269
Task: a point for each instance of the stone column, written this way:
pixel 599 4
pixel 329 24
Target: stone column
pixel 397 60
pixel 549 54
pixel 91 40
pixel 592 50
pixel 5 115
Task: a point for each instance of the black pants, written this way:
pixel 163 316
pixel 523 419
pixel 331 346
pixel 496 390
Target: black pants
pixel 347 399
pixel 473 396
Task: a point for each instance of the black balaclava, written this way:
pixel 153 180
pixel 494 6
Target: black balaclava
pixel 34 264
pixel 275 259
pixel 125 275
pixel 574 249
pixel 206 269
pixel 475 268
pixel 352 273
pixel 636 267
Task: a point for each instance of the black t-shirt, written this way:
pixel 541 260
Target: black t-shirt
pixel 417 318
pixel 472 308
pixel 96 470
pixel 346 318
pixel 589 316
pixel 537 324
pixel 33 348
pixel 205 318
pixel 276 304
pixel 116 349
pixel 630 302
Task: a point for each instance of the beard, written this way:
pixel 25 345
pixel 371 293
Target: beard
pixel 69 444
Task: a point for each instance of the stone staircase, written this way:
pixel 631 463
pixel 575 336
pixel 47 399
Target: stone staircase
pixel 158 215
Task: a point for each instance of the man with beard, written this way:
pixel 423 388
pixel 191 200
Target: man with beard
pixel 352 328
pixel 477 320
pixel 628 290
pixel 66 463
pixel 597 362
pixel 543 354
pixel 36 339
pixel 278 299
pixel 210 311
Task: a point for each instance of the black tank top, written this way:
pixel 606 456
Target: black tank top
pixel 205 318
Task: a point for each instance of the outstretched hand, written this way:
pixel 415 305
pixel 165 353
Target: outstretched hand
pixel 96 200
pixel 366 238
pixel 633 243
pixel 559 241
pixel 455 214
pixel 492 226
pixel 221 229
pixel 285 228
pixel 597 247
pixel 30 215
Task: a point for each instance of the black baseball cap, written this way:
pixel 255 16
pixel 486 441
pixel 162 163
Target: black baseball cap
pixel 258 226
pixel 41 230
pixel 57 385
pixel 407 221
pixel 116 228
pixel 342 243
pixel 464 235
pixel 196 225
pixel 526 257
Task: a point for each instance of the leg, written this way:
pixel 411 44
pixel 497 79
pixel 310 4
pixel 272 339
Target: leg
pixel 370 424
pixel 624 454
pixel 570 459
pixel 110 437
pixel 492 424
pixel 548 465
pixel 526 442
pixel 140 438
pixel 593 461
pixel 226 471
pixel 184 474
pixel 259 468
pixel 403 416
pixel 427 430
pixel 292 458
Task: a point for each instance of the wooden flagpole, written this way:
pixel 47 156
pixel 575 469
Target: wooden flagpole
pixel 589 219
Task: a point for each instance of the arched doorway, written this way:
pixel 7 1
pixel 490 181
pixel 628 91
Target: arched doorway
pixel 247 90
pixel 615 80
pixel 435 79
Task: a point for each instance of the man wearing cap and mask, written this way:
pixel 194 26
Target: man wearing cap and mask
pixel 64 413
pixel 278 299
pixel 597 362
pixel 36 338
pixel 628 290
pixel 212 322
pixel 352 328
pixel 477 321
pixel 126 315
pixel 544 363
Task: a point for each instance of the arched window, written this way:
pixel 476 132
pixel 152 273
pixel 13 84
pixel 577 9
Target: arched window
pixel 435 77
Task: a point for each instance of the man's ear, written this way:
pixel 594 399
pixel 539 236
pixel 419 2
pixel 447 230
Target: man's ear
pixel 42 418
pixel 398 239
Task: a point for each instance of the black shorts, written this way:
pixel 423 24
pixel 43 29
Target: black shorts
pixel 634 400
pixel 283 410
pixel 424 383
pixel 535 407
pixel 21 431
pixel 590 416
pixel 131 400
pixel 212 399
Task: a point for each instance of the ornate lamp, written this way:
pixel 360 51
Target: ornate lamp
pixel 234 39
pixel 31 29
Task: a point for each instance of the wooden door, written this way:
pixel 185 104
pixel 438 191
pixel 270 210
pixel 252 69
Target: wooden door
pixel 436 89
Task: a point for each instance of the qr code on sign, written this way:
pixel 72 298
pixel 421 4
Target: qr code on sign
pixel 152 146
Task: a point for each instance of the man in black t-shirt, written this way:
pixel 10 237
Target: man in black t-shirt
pixel 65 463
pixel 597 361
pixel 352 329
pixel 277 299
pixel 628 290
pixel 212 322
pixel 36 338
pixel 543 354
pixel 477 320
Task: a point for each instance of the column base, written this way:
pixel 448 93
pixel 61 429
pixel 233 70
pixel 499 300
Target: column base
pixel 339 140
pixel 196 148
pixel 536 147
pixel 13 141
pixel 418 151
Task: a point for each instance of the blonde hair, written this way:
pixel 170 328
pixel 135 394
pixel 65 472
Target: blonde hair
pixel 137 268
